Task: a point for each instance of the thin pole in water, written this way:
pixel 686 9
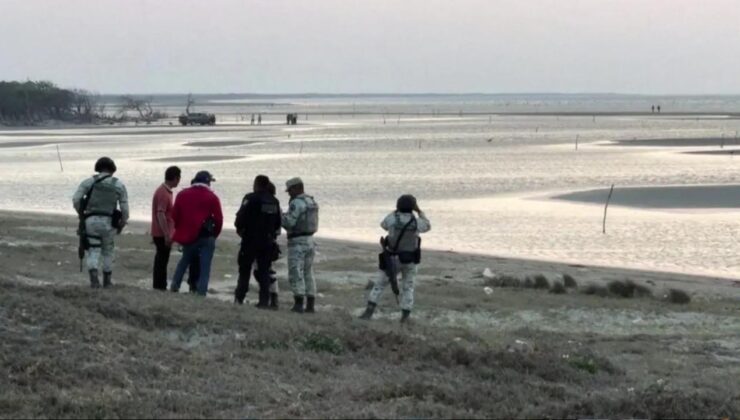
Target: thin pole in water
pixel 577 135
pixel 603 227
pixel 722 142
pixel 59 155
pixel 300 152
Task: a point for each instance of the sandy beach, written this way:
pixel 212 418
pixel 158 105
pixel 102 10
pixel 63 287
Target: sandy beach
pixel 510 352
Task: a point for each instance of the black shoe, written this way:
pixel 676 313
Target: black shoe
pixel 368 314
pixel 274 301
pixel 94 282
pixel 107 280
pixel 298 305
pixel 310 300
pixel 405 316
pixel 238 302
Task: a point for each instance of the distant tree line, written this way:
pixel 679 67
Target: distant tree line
pixel 33 102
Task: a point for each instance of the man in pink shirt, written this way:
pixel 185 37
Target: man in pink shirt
pixel 198 222
pixel 163 225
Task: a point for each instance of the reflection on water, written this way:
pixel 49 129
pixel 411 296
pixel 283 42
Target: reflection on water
pixel 482 180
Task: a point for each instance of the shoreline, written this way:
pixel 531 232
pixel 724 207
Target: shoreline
pixel 448 260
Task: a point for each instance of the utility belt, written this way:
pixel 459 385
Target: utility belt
pixel 116 218
pixel 410 257
pixel 299 235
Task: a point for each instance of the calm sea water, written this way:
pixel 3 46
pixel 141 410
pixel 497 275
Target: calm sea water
pixel 485 181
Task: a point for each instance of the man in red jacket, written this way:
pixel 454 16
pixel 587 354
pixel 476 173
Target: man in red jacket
pixel 198 222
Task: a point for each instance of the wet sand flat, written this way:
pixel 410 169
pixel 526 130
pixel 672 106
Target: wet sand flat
pixel 679 142
pixel 18 144
pixel 673 197
pixel 225 143
pixel 185 159
pixel 714 152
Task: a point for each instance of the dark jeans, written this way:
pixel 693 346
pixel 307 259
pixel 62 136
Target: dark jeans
pixel 161 259
pixel 203 248
pixel 248 255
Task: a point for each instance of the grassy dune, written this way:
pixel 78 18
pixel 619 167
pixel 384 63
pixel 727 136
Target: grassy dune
pixel 69 351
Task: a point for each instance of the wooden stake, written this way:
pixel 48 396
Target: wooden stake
pixel 59 155
pixel 603 228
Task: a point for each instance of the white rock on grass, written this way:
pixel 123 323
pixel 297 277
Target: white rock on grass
pixel 487 273
pixel 488 290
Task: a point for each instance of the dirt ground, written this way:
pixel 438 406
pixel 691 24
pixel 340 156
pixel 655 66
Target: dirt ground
pixel 471 351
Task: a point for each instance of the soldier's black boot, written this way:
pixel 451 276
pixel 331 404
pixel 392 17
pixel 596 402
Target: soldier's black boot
pixel 107 279
pixel 310 300
pixel 94 282
pixel 274 301
pixel 368 314
pixel 405 316
pixel 264 296
pixel 298 305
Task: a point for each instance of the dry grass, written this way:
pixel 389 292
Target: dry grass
pixel 70 352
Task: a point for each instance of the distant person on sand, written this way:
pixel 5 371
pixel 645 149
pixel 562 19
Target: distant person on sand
pixel 251 122
pixel 301 222
pixel 198 222
pixel 257 224
pixel 658 109
pixel 259 119
pixel 97 202
pixel 652 109
pixel 401 252
pixel 163 225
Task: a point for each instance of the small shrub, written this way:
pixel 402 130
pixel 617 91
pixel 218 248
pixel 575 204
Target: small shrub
pixel 596 290
pixel 494 282
pixel 528 283
pixel 569 281
pixel 322 343
pixel 541 282
pixel 510 281
pixel 678 296
pixel 586 364
pixel 642 291
pixel 558 288
pixel 628 289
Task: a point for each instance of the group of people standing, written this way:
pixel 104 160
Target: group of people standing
pixel 194 220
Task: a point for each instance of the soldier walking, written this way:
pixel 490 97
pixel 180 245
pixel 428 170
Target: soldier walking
pixel 401 252
pixel 257 224
pixel 301 222
pixel 101 202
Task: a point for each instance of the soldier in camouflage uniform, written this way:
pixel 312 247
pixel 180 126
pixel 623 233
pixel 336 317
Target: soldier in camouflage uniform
pixel 404 251
pixel 97 200
pixel 301 222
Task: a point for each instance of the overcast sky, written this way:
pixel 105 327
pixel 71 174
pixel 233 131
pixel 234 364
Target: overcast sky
pixel 394 46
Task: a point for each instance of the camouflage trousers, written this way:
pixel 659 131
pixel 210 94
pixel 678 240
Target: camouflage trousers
pixel 100 235
pixel 301 252
pixel 408 275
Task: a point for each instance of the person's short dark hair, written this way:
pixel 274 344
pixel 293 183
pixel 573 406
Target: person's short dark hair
pixel 262 182
pixel 172 173
pixel 203 177
pixel 272 189
pixel 105 164
pixel 406 203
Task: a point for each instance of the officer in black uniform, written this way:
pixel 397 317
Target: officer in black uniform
pixel 258 224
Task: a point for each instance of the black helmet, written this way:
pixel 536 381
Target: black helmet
pixel 105 164
pixel 406 203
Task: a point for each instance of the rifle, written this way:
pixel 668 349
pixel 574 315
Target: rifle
pixel 84 243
